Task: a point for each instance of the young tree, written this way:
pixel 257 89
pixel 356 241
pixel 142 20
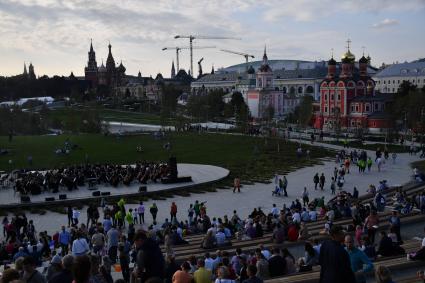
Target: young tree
pixel 305 110
pixel 269 113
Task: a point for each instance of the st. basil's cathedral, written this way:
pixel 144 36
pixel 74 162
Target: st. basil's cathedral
pixel 111 75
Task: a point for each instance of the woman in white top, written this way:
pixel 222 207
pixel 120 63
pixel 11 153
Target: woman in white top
pixel 222 275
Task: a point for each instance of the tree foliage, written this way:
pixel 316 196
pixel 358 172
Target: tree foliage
pixel 207 106
pixel 304 111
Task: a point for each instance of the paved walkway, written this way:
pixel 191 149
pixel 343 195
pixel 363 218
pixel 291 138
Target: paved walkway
pixel 259 195
pixel 200 174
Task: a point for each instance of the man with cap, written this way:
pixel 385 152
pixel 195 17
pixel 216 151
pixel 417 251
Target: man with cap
pixel 334 259
pixel 65 275
pixel 55 266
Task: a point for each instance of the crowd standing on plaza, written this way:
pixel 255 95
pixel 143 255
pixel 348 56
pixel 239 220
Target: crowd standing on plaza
pixel 116 237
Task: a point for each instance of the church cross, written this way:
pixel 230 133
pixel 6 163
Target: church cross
pixel 348 44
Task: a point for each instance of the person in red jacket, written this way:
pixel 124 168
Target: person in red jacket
pixel 292 232
pixel 173 211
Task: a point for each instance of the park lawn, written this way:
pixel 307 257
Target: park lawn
pixel 250 157
pixel 110 115
pixel 373 146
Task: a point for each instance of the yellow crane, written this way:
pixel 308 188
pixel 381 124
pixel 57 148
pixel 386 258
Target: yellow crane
pixel 180 48
pixel 246 55
pixel 193 37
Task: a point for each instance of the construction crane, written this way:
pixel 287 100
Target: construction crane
pixel 180 48
pixel 240 53
pixel 200 66
pixel 192 37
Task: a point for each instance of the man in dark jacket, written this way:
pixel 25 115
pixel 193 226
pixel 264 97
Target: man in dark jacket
pixel 150 261
pixel 277 264
pixel 65 275
pixel 334 260
pixel 252 278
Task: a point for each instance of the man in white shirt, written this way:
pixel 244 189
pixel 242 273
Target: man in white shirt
pixel 209 262
pixel 80 246
pixel 296 217
pixel 275 210
pixel 305 216
pixel 266 253
pixel 313 215
pixel 423 240
pixel 331 215
pixel 220 238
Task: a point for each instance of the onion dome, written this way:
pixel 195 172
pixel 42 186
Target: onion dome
pixel 348 57
pixel 121 68
pixel 251 70
pixel 159 77
pixel 332 62
pixel 363 60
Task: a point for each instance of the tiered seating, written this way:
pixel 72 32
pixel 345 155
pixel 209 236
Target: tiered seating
pixel 193 248
pixel 393 263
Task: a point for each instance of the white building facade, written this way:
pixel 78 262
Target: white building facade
pixel 389 79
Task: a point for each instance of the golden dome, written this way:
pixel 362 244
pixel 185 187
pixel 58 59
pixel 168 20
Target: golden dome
pixel 348 56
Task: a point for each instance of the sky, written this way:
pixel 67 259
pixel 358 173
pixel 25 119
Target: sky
pixel 55 34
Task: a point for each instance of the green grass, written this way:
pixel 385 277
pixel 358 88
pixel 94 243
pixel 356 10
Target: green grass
pixel 373 146
pixel 112 115
pixel 249 157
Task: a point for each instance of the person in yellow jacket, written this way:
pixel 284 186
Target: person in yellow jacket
pixel 119 218
pixel 129 217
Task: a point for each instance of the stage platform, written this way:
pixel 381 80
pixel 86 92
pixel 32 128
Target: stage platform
pixel 201 174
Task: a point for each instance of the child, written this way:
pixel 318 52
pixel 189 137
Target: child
pixel 135 214
pixel 333 186
pixel 358 235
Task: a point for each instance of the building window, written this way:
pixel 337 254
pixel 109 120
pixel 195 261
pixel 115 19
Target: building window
pixel 384 82
pixel 367 108
pixel 332 97
pixel 326 97
pixel 339 97
pixel 398 81
pixel 357 108
pixel 393 81
pixel 352 108
pixel 376 107
pixel 326 109
pixel 393 89
pixel 374 124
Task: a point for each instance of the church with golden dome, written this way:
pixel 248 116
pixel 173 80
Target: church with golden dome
pixel 348 99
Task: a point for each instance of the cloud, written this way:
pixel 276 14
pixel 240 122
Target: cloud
pixel 55 34
pixel 385 23
pixel 311 10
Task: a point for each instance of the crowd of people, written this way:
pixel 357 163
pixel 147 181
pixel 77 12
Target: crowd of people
pixel 72 177
pixel 114 239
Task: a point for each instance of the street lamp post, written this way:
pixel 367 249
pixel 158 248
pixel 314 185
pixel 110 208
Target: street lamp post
pixel 422 125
